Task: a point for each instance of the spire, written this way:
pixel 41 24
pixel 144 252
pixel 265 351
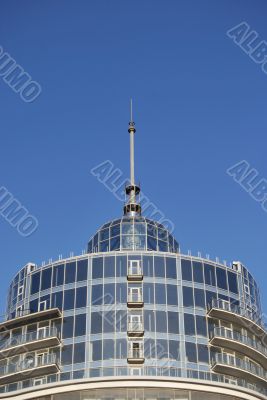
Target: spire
pixel 132 206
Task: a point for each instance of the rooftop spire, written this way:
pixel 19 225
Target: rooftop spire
pixel 132 190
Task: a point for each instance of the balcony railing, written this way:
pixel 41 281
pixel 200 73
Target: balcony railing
pixel 251 320
pixel 29 367
pixel 135 298
pixel 135 355
pixel 135 328
pixel 135 273
pixel 45 337
pixel 237 367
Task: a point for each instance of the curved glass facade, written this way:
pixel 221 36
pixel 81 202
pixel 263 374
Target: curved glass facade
pixel 133 233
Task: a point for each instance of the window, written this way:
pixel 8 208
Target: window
pixel 186 270
pixel 121 293
pixel 232 281
pixel 43 305
pixel 69 299
pixel 173 322
pixel 188 296
pixel 97 350
pixel 108 349
pixel 151 243
pixel 149 293
pixel 161 321
pixel 35 285
pixel 79 352
pixel 121 266
pixel 189 325
pixel 82 270
pixel 97 294
pixel 81 297
pixel 134 268
pixel 174 350
pixel 201 324
pixel 159 267
pixel 149 320
pixel 97 268
pixel 109 293
pixel 80 325
pixel 210 296
pixel 209 274
pixel 58 275
pixel 221 278
pixel 109 321
pixel 171 268
pixel 148 266
pixel 67 327
pixel 203 354
pixel 160 293
pixel 191 352
pixel 199 298
pixel 198 272
pixel 46 279
pixel 172 298
pixel 96 322
pixel 70 272
pixel 57 300
pixel 66 355
pixel 109 267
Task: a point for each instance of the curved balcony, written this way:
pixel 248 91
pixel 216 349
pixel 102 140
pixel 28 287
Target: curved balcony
pixel 37 340
pixel 27 317
pixel 229 365
pixel 29 368
pixel 222 309
pixel 245 345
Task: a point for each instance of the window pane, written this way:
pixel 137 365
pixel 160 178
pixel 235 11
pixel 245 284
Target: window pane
pixel 189 324
pixel 35 283
pixel 149 320
pixel 173 322
pixel 221 278
pixel 70 272
pixel 96 322
pixel 109 267
pixel 186 270
pixel 109 293
pixel 232 281
pixel 171 268
pixel 191 352
pixel 201 324
pixel 172 298
pixel 97 294
pixel 67 327
pixel 57 299
pixel 151 243
pixel 79 352
pixel 81 297
pixel 199 298
pixel 160 293
pixel 148 266
pixel 121 293
pixel 46 278
pixel 149 293
pixel 80 324
pixel 66 357
pixel 97 350
pixel 210 296
pixel 69 299
pixel 97 268
pixel 174 350
pixel 188 296
pixel 198 272
pixel 121 266
pixel 159 267
pixel 108 349
pixel 161 321
pixel 203 354
pixel 209 273
pixel 58 275
pixel 82 270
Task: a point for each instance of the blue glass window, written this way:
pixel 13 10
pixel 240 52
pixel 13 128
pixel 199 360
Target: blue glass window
pixel 162 349
pixel 172 298
pixel 203 354
pixel 121 349
pixel 210 296
pixel 70 272
pixel 151 243
pixel 46 278
pixel 97 350
pixel 149 320
pixel 79 352
pixel 191 352
pixel 149 293
pixel 57 299
pixel 66 355
pixel 97 268
pixel 198 272
pixel 171 268
pixel 104 234
pixel 159 267
pixel 199 298
pixel 109 321
pixel 104 246
pixel 163 246
pixel 201 324
pixel 115 230
pixel 161 321
pixel 121 266
pixel 174 350
pixel 109 267
pixel 121 293
pixel 115 243
pixel 82 270
pixel 81 297
pixel 69 299
pixel 109 293
pixel 80 324
pixel 58 275
pixel 97 294
pixel 186 270
pixel 188 296
pixel 67 327
pixel 221 278
pixel 160 293
pixel 189 324
pixel 108 349
pixel 148 266
pixel 209 273
pixel 35 285
pixel 232 281
pixel 96 322
pixel 34 305
pixel 173 322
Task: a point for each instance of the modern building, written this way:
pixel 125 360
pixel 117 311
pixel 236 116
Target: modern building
pixel 133 319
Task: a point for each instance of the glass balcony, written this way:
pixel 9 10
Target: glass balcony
pixel 222 309
pixel 243 344
pixel 135 328
pixel 27 317
pixel 230 365
pixel 136 353
pixel 41 339
pixel 28 368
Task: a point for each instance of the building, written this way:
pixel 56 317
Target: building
pixel 133 318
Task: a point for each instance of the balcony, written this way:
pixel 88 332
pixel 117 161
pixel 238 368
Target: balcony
pixel 135 273
pixel 135 355
pixel 232 313
pixel 229 365
pixel 232 340
pixel 29 368
pixel 26 317
pixel 135 299
pixel 135 329
pixel 37 340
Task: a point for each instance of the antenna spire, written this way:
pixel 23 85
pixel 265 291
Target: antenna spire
pixel 132 190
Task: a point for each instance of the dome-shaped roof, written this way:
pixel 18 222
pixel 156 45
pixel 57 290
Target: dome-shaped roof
pixel 132 233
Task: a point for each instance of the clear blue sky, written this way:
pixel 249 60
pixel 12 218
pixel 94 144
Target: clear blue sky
pixel 199 106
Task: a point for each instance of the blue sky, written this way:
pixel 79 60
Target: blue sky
pixel 199 108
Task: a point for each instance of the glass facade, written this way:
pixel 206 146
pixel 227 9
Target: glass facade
pixel 137 311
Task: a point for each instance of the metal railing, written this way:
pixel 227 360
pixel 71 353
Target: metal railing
pixel 238 337
pixel 28 363
pixel 135 327
pixel 40 334
pixel 229 360
pixel 135 297
pixel 135 270
pixel 239 310
pixel 135 353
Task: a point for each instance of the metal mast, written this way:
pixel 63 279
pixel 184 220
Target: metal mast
pixel 132 206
